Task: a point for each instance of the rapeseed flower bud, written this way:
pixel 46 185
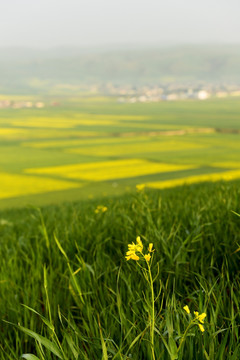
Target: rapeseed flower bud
pixel 150 246
pixel 139 246
pixel 201 327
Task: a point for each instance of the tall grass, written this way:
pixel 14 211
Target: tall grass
pixel 67 291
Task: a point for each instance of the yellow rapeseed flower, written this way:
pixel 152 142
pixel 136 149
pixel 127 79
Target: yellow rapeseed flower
pixel 135 257
pixel 147 257
pixel 202 317
pixel 139 246
pixel 130 255
pixel 150 246
pixel 132 247
pixel 140 187
pixel 201 327
pixel 100 208
pixel 186 308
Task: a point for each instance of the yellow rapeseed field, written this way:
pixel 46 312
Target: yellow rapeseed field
pixel 28 134
pixel 109 170
pixel 57 123
pixel 226 176
pixel 13 185
pixel 11 133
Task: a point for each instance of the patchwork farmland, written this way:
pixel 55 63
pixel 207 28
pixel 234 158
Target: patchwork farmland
pixel 91 147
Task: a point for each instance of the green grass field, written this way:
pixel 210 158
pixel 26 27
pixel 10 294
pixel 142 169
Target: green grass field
pixel 67 262
pixel 73 151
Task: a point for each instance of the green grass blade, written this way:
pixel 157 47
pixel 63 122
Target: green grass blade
pixel 43 341
pixel 29 357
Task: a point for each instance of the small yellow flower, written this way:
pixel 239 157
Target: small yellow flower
pixel 150 246
pixel 135 257
pixel 202 317
pixel 147 257
pixel 201 328
pixel 140 187
pixel 139 247
pixel 131 256
pixel 130 252
pixel 186 308
pixel 100 208
pixel 132 247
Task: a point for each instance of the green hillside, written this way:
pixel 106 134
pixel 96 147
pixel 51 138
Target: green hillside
pixel 23 70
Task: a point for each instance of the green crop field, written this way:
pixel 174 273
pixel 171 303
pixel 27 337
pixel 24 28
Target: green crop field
pixel 93 147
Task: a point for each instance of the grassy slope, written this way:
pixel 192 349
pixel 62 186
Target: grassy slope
pixel 195 235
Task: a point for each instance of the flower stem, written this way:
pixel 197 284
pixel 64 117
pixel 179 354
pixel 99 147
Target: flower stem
pixel 152 324
pixel 184 335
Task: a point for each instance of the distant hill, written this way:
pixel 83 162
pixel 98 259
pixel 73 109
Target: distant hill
pixel 25 70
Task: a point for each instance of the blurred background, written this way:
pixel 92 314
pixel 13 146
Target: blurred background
pixel 103 98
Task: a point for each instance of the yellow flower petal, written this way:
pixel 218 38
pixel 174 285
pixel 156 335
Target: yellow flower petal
pixel 132 247
pixel 201 317
pixel 100 208
pixel 150 246
pixel 186 308
pixel 139 247
pixel 134 257
pixel 196 313
pixel 201 328
pixel 147 257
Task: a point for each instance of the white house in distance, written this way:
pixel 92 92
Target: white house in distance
pixel 203 95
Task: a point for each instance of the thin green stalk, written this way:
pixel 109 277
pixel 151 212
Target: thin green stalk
pixel 152 310
pixel 192 322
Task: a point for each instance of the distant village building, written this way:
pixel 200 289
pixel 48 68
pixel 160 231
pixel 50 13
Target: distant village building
pixel 28 104
pixel 172 97
pixel 39 105
pixel 235 93
pixel 221 94
pixel 203 95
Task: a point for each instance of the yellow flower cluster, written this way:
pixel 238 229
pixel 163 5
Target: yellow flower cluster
pixel 138 248
pixel 199 317
pixel 100 209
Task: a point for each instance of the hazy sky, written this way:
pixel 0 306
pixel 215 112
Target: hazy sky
pixel 48 23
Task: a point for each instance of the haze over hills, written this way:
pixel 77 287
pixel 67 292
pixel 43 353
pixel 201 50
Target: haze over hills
pixel 24 70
